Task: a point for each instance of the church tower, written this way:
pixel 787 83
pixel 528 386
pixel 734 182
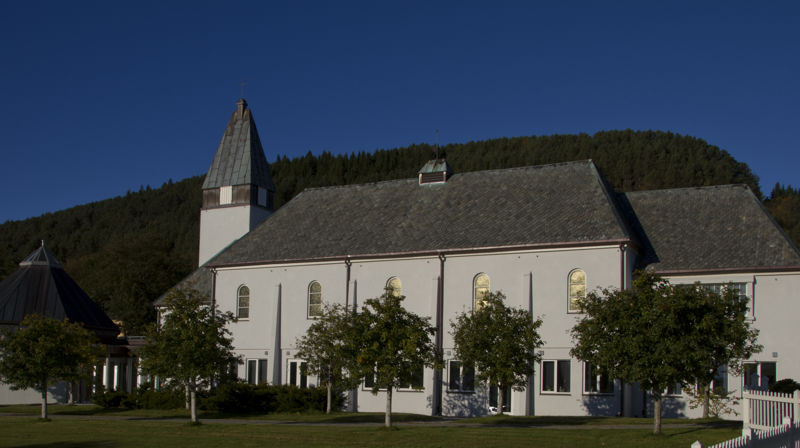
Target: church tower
pixel 238 190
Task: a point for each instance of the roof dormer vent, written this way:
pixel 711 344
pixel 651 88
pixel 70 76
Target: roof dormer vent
pixel 435 171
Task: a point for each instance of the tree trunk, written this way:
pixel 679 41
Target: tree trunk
pixel 499 399
pixel 330 397
pixel 706 391
pixel 193 395
pixel 388 420
pixel 44 402
pixel 656 414
pixel 186 397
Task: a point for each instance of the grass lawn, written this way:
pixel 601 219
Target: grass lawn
pixel 309 417
pixel 79 432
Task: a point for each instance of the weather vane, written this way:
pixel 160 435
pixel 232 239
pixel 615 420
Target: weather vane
pixel 242 84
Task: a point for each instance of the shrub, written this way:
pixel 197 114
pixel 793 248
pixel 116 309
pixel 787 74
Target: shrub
pixel 241 398
pixel 785 386
pixel 109 399
pixel 237 398
pixel 165 398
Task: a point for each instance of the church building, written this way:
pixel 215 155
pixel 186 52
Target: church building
pixel 542 235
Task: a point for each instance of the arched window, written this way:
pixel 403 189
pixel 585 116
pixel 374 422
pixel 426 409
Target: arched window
pixel 396 286
pixel 577 290
pixel 314 300
pixel 480 288
pixel 243 302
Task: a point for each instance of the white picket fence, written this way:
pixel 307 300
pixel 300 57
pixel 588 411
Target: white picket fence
pixel 765 410
pixel 769 419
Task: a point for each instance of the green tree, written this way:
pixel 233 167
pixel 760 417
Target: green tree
pixel 192 345
pixel 329 349
pixel 394 345
pixel 639 335
pixel 44 351
pixel 500 342
pixel 722 335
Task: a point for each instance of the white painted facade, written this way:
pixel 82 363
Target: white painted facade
pixel 535 280
pixel 221 226
pixel 774 300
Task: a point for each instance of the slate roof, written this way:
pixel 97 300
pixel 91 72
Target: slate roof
pixel 40 286
pixel 567 203
pixel 240 158
pixel 200 280
pixel 707 228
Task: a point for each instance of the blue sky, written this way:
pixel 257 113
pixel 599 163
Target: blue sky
pixel 98 98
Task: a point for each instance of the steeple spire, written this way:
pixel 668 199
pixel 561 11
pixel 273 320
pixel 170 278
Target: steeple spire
pixel 237 187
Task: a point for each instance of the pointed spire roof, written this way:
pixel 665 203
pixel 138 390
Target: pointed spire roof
pixel 41 286
pixel 240 158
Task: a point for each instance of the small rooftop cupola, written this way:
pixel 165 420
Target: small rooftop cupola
pixel 435 171
pixel 41 257
pixel 238 191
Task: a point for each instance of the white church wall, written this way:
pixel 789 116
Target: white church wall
pixel 418 278
pixel 219 227
pixel 773 298
pixel 536 280
pixel 262 335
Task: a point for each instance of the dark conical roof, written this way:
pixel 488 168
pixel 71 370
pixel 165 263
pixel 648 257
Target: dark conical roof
pixel 41 286
pixel 240 158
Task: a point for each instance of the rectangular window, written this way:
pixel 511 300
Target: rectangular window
pixel 596 381
pixel 759 375
pixel 493 399
pixel 555 376
pixel 297 373
pixel 225 195
pixel 416 380
pixel 740 288
pixel 370 380
pixel 462 379
pixel 720 383
pixel 674 389
pixel 251 371
pixel 262 371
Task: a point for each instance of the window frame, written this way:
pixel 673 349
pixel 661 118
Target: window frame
pixel 673 390
pixel 239 307
pixel 759 371
pixel 590 370
pixel 373 377
pixel 259 373
pixel 476 302
pixel 463 372
pixel 226 195
pixel 413 386
pixel 572 307
pixel 557 368
pixel 740 287
pixel 301 379
pixel 309 305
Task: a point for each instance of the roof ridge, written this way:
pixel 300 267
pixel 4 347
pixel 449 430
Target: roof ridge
pixel 700 187
pixel 466 173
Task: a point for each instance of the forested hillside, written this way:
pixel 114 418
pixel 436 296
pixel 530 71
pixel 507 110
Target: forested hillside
pixel 127 250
